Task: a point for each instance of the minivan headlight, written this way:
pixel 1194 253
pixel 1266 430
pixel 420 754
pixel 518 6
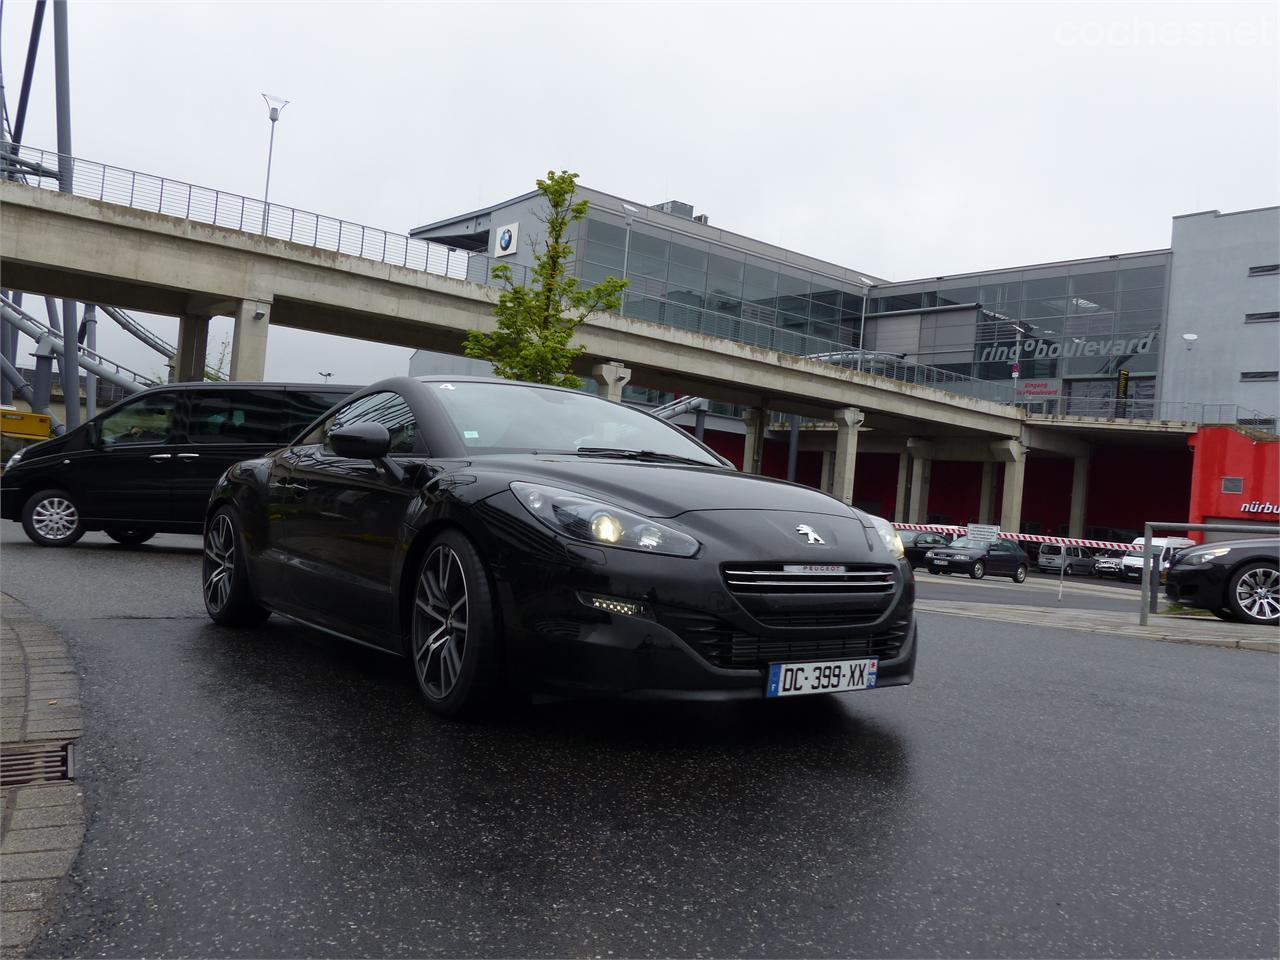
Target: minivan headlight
pixel 12 460
pixel 594 521
pixel 890 537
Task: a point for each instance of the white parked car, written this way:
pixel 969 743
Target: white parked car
pixel 1131 565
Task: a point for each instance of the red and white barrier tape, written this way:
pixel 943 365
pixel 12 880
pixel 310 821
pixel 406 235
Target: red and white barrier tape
pixel 1030 537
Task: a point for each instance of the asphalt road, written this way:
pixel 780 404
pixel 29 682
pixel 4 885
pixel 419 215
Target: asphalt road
pixel 277 793
pixel 1039 590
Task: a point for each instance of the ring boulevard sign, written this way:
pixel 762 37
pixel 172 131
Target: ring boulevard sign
pixel 1070 347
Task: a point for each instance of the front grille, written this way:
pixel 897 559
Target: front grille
pixel 723 645
pixel 801 578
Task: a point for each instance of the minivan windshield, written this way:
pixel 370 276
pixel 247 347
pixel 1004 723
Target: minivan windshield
pixel 496 417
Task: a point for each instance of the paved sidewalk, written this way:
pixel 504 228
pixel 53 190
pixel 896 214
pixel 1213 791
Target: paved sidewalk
pixel 1171 629
pixel 41 822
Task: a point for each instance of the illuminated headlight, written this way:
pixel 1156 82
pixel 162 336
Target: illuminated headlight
pixel 889 536
pixel 12 460
pixel 1205 556
pixel 594 521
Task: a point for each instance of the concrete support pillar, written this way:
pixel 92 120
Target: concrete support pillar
pixel 1079 495
pixel 193 348
pixel 847 421
pixel 1014 456
pixel 249 340
pixel 922 453
pixel 755 419
pixel 900 500
pixel 612 377
pixel 987 492
pixel 828 462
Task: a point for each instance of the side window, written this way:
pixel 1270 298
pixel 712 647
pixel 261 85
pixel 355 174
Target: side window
pixel 145 420
pixel 388 409
pixel 237 416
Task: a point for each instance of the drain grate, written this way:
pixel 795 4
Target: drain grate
pixel 37 762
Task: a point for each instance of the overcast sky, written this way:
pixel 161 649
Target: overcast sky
pixel 904 139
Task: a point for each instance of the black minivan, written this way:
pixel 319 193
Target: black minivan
pixel 148 464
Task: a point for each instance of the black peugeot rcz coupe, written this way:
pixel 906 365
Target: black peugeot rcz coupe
pixel 505 535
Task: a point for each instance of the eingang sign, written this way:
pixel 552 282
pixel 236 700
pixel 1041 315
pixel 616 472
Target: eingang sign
pixel 1071 347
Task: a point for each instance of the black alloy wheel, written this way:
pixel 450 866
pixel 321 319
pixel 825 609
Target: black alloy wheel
pixel 228 598
pixel 978 570
pixel 454 634
pixel 1253 593
pixel 131 537
pixel 50 518
pixel 1020 575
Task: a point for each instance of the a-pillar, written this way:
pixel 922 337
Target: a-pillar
pixel 755 419
pixel 847 421
pixel 612 377
pixel 987 492
pixel 1014 456
pixel 249 340
pixel 922 453
pixel 1079 495
pixel 900 499
pixel 193 348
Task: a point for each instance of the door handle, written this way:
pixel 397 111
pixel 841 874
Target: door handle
pixel 188 456
pixel 161 456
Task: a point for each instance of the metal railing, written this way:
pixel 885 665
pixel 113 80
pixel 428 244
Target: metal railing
pixel 1151 410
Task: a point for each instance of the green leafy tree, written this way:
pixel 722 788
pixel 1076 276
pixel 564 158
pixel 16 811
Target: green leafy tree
pixel 536 322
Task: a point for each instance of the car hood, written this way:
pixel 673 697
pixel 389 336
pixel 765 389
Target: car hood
pixel 662 490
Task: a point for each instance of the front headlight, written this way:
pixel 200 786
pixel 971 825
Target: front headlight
pixel 889 536
pixel 1204 557
pixel 12 460
pixel 594 521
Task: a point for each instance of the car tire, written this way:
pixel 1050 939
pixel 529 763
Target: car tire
pixel 224 574
pixel 130 538
pixel 51 518
pixel 1253 593
pixel 1227 615
pixel 1019 575
pixel 978 570
pixel 455 663
pixel 935 571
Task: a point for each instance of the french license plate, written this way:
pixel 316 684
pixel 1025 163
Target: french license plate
pixel 835 676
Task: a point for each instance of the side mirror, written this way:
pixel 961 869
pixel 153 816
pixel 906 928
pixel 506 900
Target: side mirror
pixel 361 441
pixel 94 433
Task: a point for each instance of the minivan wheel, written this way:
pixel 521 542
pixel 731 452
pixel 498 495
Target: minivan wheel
pixel 1253 593
pixel 130 538
pixel 50 518
pixel 1019 575
pixel 979 570
pixel 224 577
pixel 454 635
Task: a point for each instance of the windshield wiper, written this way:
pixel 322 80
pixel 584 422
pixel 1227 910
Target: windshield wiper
pixel 652 455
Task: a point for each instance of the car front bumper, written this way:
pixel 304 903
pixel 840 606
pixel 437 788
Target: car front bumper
pixel 1202 586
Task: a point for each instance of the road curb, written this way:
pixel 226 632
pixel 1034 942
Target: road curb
pixel 1223 635
pixel 42 820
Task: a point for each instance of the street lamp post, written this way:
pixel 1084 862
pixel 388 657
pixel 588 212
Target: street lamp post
pixel 274 106
pixel 325 375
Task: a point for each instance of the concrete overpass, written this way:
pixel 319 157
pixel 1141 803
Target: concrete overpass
pixel 89 250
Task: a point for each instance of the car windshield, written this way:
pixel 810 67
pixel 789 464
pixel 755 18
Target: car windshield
pixel 969 542
pixel 495 417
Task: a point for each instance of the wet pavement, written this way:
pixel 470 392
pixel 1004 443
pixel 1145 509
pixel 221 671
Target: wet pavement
pixel 274 792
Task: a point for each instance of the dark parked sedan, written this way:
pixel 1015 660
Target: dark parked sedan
pixel 1238 580
pixel 977 558
pixel 502 535
pixel 919 542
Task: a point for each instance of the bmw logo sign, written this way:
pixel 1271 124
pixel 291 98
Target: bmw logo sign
pixel 504 240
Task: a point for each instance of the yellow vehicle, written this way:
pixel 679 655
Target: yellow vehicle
pixel 19 429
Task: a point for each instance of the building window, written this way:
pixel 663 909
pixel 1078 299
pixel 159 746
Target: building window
pixel 1233 484
pixel 1262 317
pixel 1265 271
pixel 1260 375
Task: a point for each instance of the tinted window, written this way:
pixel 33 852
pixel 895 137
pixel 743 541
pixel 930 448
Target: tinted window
pixel 145 420
pixel 238 416
pixel 388 409
pixel 507 417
